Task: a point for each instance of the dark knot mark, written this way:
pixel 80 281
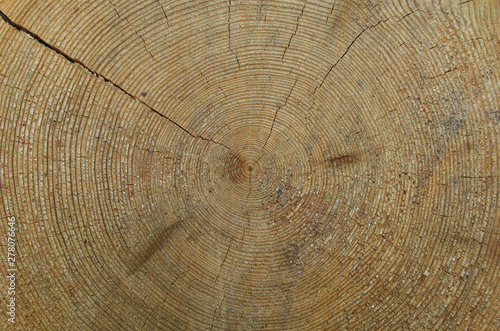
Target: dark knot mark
pixel 342 159
pixel 159 241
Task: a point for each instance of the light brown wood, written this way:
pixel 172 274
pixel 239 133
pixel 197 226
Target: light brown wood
pixel 268 165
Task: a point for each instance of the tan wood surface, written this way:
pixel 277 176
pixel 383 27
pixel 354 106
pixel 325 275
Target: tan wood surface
pixel 273 165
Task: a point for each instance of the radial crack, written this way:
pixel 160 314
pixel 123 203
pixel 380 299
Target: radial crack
pixel 114 7
pixel 144 43
pixel 342 56
pixel 168 293
pixel 444 73
pixel 73 60
pixel 222 264
pixel 229 33
pixel 295 32
pixel 274 120
pixel 410 13
pixel 164 13
pixel 215 312
pixel 135 31
pixel 331 11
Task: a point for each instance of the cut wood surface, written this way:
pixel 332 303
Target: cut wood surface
pixel 273 165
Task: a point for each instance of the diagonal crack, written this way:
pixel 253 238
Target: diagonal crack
pixel 246 202
pixel 229 33
pixel 410 13
pixel 164 13
pixel 143 42
pixel 295 32
pixel 262 150
pixel 347 50
pixel 216 309
pixel 114 7
pixel 73 60
pixel 168 293
pixel 331 12
pixel 135 31
pixel 274 120
pixel 140 36
pixel 222 264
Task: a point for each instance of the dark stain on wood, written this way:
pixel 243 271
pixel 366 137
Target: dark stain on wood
pixel 156 244
pixel 341 159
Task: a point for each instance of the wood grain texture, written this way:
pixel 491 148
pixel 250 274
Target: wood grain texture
pixel 277 165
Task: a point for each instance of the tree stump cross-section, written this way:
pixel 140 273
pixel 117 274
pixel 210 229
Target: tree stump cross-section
pixel 276 165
